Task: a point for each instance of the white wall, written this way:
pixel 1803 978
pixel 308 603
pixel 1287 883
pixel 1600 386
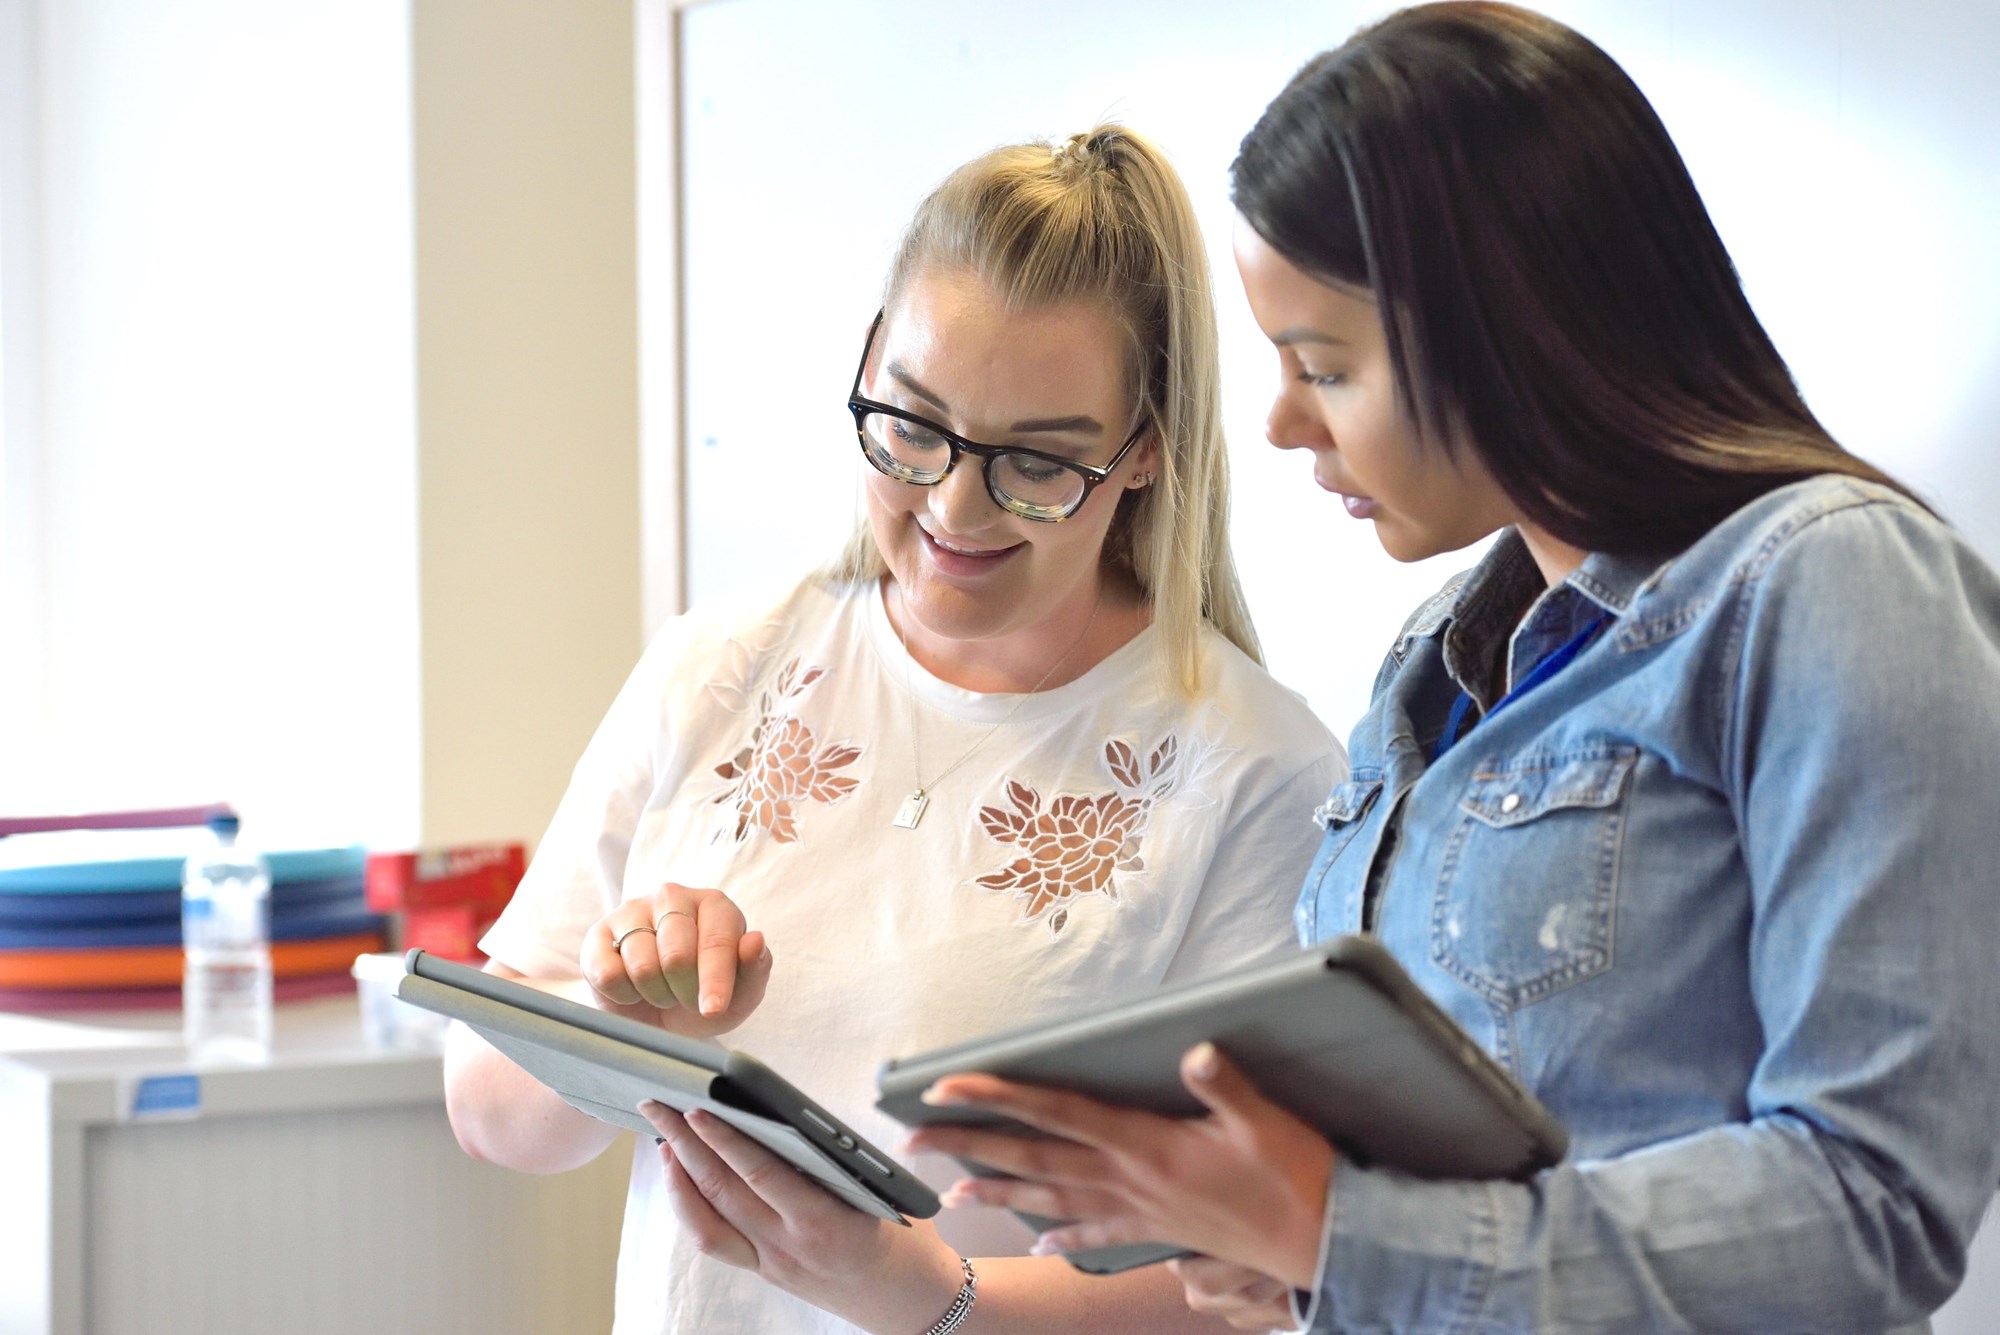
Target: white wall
pixel 21 597
pixel 208 464
pixel 527 392
pixel 319 422
pixel 1847 152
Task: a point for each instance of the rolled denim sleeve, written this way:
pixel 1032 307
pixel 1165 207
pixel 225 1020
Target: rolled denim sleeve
pixel 1859 717
pixel 1742 1228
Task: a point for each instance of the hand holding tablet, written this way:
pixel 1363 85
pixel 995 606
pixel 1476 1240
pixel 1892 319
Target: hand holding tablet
pixel 606 1065
pixel 1337 1036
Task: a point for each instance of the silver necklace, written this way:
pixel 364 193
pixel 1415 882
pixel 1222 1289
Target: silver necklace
pixel 911 813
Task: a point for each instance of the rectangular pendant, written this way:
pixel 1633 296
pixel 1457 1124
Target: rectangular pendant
pixel 911 813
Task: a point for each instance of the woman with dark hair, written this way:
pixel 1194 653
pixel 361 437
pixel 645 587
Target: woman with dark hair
pixel 1674 801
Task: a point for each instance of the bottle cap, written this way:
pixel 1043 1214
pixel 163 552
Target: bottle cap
pixel 225 824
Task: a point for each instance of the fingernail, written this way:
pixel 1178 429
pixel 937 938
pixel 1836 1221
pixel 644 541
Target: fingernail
pixel 939 1098
pixel 953 1197
pixel 1203 1061
pixel 1043 1247
pixel 711 1004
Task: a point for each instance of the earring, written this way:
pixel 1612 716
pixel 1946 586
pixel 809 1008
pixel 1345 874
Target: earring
pixel 1142 479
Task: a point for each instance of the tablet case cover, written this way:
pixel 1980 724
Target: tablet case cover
pixel 1338 1034
pixel 605 1065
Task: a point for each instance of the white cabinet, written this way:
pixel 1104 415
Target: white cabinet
pixel 320 1193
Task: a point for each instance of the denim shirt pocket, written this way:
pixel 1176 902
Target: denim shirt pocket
pixel 1529 887
pixel 1341 816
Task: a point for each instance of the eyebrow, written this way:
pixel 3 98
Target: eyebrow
pixel 1078 422
pixel 1292 337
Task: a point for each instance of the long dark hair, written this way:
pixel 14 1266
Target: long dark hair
pixel 1554 295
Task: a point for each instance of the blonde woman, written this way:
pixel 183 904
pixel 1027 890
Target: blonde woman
pixel 1010 756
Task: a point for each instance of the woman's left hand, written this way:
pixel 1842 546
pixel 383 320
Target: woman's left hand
pixel 1243 1297
pixel 1246 1184
pixel 744 1205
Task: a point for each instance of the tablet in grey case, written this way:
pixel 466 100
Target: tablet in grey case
pixel 1337 1034
pixel 606 1065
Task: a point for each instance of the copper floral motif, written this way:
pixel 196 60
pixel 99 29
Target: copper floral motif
pixel 784 764
pixel 1075 844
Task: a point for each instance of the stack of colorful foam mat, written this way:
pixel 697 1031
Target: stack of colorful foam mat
pixel 91 917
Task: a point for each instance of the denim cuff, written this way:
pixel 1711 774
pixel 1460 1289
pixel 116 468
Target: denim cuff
pixel 1305 1302
pixel 1402 1254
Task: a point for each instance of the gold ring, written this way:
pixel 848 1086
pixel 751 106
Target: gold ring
pixel 618 941
pixel 668 914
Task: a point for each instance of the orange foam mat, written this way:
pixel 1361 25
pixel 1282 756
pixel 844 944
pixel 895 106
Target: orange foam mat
pixel 160 966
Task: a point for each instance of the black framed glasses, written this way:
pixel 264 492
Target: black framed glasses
pixel 1029 483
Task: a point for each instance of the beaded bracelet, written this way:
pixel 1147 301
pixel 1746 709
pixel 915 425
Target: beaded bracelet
pixel 961 1306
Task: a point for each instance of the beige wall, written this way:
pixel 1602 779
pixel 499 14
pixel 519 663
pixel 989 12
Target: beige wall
pixel 527 398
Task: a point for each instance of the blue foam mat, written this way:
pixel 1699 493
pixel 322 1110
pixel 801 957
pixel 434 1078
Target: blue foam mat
pixel 49 910
pixel 306 922
pixel 164 873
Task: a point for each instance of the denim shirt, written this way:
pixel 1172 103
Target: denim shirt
pixel 1722 893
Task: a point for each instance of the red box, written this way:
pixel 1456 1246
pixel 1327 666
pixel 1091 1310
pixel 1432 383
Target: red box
pixel 476 875
pixel 450 931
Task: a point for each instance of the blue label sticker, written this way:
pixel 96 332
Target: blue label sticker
pixel 167 1096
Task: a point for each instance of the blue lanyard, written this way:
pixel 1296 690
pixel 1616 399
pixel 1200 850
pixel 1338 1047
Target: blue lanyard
pixel 1540 673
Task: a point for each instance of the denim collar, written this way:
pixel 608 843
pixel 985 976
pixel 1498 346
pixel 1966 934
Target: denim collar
pixel 1615 581
pixel 1492 608
pixel 1488 607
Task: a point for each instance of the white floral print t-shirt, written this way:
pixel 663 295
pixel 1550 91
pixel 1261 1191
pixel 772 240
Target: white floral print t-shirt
pixel 1101 840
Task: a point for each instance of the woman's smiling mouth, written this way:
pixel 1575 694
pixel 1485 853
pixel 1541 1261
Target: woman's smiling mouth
pixel 957 557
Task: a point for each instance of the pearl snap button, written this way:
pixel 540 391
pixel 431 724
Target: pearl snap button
pixel 1509 803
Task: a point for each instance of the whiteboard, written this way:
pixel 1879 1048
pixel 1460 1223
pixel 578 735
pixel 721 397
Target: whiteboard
pixel 1848 153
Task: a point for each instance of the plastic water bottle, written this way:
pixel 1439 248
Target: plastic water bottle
pixel 226 930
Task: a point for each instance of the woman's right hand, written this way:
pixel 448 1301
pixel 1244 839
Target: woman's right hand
pixel 680 959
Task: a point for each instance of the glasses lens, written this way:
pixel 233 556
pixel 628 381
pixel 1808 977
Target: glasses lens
pixel 1034 487
pixel 912 452
pixel 905 450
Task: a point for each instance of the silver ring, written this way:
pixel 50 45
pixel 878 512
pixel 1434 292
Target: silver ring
pixel 670 913
pixel 618 941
